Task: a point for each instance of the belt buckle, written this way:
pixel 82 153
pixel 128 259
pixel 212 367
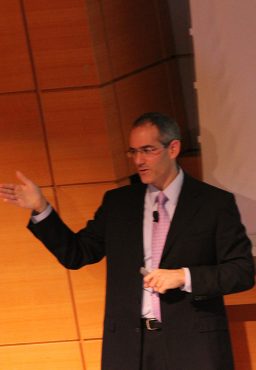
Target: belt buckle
pixel 148 325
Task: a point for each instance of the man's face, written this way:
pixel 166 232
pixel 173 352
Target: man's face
pixel 158 167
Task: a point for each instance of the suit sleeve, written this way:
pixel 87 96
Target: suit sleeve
pixel 73 250
pixel 234 270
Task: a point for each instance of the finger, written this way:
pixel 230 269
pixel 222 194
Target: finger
pixel 146 285
pixel 154 283
pixel 150 276
pixel 11 201
pixel 23 178
pixel 148 279
pixel 6 188
pixel 159 286
pixel 161 290
pixel 6 196
pixel 10 196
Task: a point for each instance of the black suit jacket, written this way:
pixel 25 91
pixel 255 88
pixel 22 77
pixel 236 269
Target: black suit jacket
pixel 205 235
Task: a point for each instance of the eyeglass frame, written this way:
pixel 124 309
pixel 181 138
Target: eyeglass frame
pixel 146 150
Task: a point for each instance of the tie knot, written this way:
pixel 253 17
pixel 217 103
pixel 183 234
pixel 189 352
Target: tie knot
pixel 161 198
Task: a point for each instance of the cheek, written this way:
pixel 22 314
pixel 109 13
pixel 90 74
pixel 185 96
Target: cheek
pixel 155 166
pixel 160 166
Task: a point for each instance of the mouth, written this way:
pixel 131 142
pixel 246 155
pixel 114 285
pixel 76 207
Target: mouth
pixel 143 171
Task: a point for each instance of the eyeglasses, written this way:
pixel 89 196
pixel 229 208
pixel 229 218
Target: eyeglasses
pixel 147 151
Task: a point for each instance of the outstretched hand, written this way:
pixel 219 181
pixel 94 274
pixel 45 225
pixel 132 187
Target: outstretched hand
pixel 25 195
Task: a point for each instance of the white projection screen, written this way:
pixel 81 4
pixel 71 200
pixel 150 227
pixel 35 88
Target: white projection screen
pixel 224 36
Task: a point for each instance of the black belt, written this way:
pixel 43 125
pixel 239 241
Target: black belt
pixel 151 324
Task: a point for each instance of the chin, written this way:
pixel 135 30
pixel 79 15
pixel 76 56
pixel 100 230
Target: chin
pixel 145 180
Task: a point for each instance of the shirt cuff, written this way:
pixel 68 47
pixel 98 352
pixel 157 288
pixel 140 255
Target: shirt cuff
pixel 38 218
pixel 187 287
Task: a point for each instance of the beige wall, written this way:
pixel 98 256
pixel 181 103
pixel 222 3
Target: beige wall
pixel 224 42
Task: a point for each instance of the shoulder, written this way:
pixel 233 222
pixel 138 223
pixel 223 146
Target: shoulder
pixel 126 193
pixel 193 185
pixel 123 201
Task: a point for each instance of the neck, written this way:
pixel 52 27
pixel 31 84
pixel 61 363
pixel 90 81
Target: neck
pixel 168 180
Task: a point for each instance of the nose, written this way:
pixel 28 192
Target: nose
pixel 138 158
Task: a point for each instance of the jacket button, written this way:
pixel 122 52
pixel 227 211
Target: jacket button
pixel 137 330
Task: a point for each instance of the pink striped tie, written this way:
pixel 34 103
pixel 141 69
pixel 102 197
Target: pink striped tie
pixel 160 230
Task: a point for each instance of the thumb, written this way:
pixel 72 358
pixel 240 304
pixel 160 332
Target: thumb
pixel 23 178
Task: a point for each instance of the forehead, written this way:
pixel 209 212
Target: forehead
pixel 146 134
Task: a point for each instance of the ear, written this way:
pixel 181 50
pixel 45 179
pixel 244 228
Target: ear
pixel 174 148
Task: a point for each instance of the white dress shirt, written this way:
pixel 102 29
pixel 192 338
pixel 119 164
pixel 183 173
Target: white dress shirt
pixel 172 192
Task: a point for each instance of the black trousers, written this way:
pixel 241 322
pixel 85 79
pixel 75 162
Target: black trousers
pixel 153 355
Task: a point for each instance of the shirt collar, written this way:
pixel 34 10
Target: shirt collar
pixel 172 191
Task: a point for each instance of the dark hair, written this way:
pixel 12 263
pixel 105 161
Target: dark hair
pixel 168 127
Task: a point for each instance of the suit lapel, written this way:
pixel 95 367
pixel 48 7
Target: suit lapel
pixel 136 205
pixel 187 206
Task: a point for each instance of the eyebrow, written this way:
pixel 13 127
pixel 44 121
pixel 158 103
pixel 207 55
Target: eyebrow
pixel 143 147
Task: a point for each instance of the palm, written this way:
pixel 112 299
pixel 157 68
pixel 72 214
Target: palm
pixel 25 195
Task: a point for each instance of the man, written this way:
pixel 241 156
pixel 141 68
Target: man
pixel 204 255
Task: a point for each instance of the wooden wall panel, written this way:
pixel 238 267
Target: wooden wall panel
pixel 15 69
pixel 96 23
pixel 176 95
pixel 151 90
pixel 92 353
pixel 77 136
pixel 89 290
pixel 192 165
pixel 143 92
pixel 132 33
pixel 242 319
pixel 247 297
pixel 163 16
pixel 129 35
pixel 51 356
pixel 244 344
pixel 116 139
pixel 77 205
pixel 22 141
pixel 35 296
pixel 241 309
pixel 61 43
